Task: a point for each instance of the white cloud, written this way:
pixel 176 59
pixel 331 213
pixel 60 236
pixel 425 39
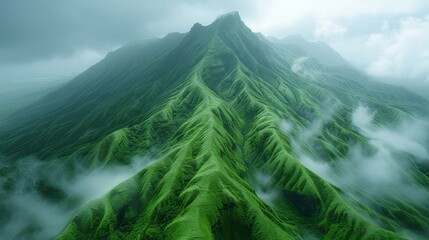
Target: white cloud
pixel 27 208
pixel 346 25
pixel 397 49
pixel 329 29
pixel 299 67
pixel 264 187
pixel 381 172
pixel 409 136
pixel 361 117
pixel 402 51
pixel 385 172
pixel 280 15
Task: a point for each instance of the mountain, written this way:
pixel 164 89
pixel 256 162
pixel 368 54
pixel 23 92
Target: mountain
pixel 17 94
pixel 223 124
pixel 318 50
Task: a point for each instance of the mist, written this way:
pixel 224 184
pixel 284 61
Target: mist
pixel 264 187
pixel 300 68
pixel 392 34
pixel 38 198
pixel 18 93
pixel 390 168
pixel 407 136
pixel 385 167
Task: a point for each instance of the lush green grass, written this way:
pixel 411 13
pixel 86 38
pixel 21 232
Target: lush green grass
pixel 210 103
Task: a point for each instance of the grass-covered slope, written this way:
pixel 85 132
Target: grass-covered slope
pixel 210 103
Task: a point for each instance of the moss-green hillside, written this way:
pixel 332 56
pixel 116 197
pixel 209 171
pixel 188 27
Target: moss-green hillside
pixel 211 103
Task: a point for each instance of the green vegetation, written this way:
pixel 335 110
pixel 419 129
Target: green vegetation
pixel 210 102
pixel 16 94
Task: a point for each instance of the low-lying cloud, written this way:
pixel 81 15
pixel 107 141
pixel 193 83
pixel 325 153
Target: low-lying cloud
pixel 408 136
pixel 300 68
pixel 263 185
pixel 382 168
pixel 307 136
pixel 37 198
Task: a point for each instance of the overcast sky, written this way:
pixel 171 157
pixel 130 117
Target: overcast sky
pixel 386 38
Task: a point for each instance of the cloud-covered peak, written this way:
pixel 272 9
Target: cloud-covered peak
pixel 385 38
pixel 229 19
pixel 230 15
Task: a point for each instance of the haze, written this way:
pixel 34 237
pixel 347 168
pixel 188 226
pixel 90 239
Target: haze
pixel 46 38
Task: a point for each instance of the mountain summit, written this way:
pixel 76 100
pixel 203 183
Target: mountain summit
pixel 230 15
pixel 229 121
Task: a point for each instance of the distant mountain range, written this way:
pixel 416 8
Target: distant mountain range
pixel 318 50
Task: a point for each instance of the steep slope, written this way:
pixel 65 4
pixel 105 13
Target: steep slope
pixel 127 82
pixel 17 94
pixel 209 105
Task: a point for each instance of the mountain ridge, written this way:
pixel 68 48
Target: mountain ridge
pixel 211 103
pixel 319 50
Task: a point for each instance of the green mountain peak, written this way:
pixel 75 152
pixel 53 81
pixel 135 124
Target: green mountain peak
pixel 228 120
pixel 227 23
